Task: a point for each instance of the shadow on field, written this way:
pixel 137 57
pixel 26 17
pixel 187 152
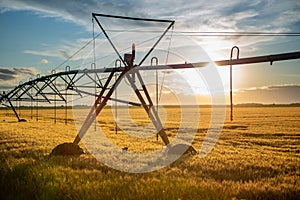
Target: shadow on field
pixel 68 177
pixel 235 127
pixel 242 174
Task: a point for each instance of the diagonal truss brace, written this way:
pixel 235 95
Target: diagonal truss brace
pixel 147 104
pixel 94 15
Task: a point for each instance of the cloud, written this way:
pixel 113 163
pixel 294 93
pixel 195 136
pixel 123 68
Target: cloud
pixel 65 50
pixel 44 61
pixel 197 15
pixel 78 11
pixel 10 77
pixel 6 87
pixel 291 75
pixel 289 93
pixel 9 74
pixel 42 53
pixel 239 16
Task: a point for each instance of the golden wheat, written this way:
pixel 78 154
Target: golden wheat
pixel 256 157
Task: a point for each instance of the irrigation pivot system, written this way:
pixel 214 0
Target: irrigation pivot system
pixel 54 87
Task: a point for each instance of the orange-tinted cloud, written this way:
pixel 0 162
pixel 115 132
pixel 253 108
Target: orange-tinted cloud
pixel 278 94
pixel 44 61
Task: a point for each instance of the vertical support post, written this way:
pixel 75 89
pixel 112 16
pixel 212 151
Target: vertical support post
pixel 66 97
pixel 31 99
pixel 93 67
pixel 31 109
pixel 5 108
pixel 117 63
pixel 231 99
pixel 18 107
pixel 55 106
pixel 37 103
pixel 37 109
pixel 156 86
pixel 116 107
pixel 54 72
pixel 19 101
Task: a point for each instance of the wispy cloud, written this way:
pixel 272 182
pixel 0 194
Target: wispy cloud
pixel 7 74
pixel 63 51
pixel 289 93
pixel 291 75
pixel 44 61
pixel 10 77
pixel 41 53
pixel 78 11
pixel 232 15
pixel 271 87
pixel 215 15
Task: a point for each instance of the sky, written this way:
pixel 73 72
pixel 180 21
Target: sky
pixel 38 36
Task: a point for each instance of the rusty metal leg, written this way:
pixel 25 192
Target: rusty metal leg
pixel 151 111
pixel 98 106
pixel 88 122
pixel 13 108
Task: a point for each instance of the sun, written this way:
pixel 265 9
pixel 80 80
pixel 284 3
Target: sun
pixel 219 49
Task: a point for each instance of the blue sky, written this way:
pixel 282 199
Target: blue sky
pixel 25 31
pixel 39 35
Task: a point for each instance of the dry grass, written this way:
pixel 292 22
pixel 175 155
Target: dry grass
pixel 256 157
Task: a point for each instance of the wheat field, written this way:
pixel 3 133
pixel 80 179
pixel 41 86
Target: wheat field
pixel 257 156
